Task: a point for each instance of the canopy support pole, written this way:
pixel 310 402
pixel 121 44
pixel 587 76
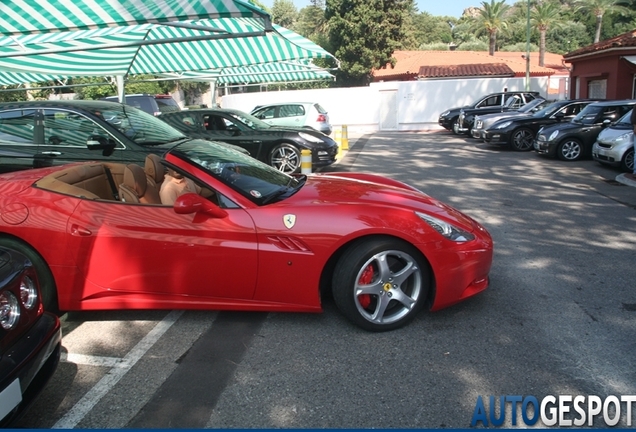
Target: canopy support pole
pixel 120 89
pixel 213 93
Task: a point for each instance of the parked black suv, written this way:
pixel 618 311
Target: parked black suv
pixel 152 104
pixel 519 132
pixel 511 102
pixel 573 140
pixel 448 119
pixel 45 133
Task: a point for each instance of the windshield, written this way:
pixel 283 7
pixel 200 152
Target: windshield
pixel 253 179
pixel 548 110
pixel 626 119
pixel 533 105
pixel 588 114
pixel 248 119
pixel 138 125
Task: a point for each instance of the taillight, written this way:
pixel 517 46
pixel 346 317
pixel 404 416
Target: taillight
pixel 9 310
pixel 321 118
pixel 28 293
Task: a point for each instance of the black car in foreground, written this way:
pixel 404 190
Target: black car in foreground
pixel 448 119
pixel 30 338
pixel 573 140
pixel 519 132
pixel 277 146
pixel 44 133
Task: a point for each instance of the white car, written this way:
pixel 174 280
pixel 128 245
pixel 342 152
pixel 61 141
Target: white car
pixel 295 114
pixel 615 144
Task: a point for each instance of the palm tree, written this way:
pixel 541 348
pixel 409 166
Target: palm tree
pixel 543 16
pixel 491 19
pixel 598 8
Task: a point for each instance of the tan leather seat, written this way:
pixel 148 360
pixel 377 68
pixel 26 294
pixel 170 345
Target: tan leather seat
pixel 135 188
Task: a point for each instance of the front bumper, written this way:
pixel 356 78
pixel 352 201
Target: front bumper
pixel 27 365
pixel 496 138
pixel 545 147
pixel 606 155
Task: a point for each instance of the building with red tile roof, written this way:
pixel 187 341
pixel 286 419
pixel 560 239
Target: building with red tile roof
pixel 606 69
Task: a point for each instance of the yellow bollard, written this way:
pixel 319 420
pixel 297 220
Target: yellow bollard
pixel 337 137
pixel 305 161
pixel 345 138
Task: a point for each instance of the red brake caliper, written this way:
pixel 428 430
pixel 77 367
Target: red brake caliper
pixel 365 279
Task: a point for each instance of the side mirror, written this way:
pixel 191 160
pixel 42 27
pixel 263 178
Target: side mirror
pixel 96 142
pixel 559 116
pixel 606 122
pixel 193 203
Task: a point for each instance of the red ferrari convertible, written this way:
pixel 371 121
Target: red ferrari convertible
pixel 251 238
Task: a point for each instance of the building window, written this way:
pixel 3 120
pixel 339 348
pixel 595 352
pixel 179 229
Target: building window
pixel 597 89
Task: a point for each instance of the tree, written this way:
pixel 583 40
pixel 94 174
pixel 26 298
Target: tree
pixel 543 16
pixel 491 19
pixel 363 34
pixel 599 8
pixel 311 22
pixel 284 13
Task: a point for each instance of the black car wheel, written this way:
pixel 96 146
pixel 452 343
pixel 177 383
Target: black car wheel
pixel 45 278
pixel 570 150
pixel 627 163
pixel 522 139
pixel 381 284
pixel 285 158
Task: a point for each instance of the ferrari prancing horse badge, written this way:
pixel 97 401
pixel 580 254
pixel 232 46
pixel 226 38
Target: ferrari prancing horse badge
pixel 289 220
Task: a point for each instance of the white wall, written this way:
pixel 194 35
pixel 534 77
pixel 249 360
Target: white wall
pixel 419 103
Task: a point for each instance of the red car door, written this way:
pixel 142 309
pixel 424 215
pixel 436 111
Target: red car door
pixel 152 254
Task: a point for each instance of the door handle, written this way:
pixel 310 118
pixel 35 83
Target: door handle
pixel 52 153
pixel 77 230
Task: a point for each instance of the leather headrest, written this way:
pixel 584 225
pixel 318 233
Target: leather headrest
pixel 135 178
pixel 154 169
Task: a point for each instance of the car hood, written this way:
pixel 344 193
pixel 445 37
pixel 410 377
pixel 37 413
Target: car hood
pixel 367 190
pixel 613 132
pixel 563 127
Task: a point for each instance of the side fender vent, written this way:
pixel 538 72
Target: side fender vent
pixel 288 243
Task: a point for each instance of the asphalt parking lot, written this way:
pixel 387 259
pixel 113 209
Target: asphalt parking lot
pixel 559 318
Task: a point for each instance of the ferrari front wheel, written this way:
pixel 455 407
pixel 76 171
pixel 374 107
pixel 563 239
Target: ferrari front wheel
pixel 381 284
pixel 45 278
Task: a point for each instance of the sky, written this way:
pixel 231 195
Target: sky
pixel 453 8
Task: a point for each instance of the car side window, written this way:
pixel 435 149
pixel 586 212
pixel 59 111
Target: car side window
pixel 267 113
pixel 213 122
pixel 571 110
pixel 292 110
pixel 491 101
pixel 611 113
pixel 65 128
pixel 17 126
pixel 516 102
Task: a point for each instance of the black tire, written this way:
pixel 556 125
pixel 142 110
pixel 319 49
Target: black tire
pixel 570 150
pixel 45 278
pixel 285 157
pixel 397 291
pixel 627 163
pixel 521 139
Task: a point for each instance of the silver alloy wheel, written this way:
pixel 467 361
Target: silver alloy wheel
pixel 522 139
pixel 285 158
pixel 387 287
pixel 570 150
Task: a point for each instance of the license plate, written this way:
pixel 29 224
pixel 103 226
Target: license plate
pixel 10 398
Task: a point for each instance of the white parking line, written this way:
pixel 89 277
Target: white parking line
pixel 90 360
pixel 117 371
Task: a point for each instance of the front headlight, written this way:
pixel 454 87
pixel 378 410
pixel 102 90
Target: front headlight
pixel 309 137
pixel 624 138
pixel 445 113
pixel 502 125
pixel 553 135
pixel 447 230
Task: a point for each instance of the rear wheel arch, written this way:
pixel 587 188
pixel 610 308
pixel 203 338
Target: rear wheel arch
pixel 48 287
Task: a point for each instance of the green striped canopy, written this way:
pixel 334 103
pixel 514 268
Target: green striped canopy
pixel 201 45
pixel 42 16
